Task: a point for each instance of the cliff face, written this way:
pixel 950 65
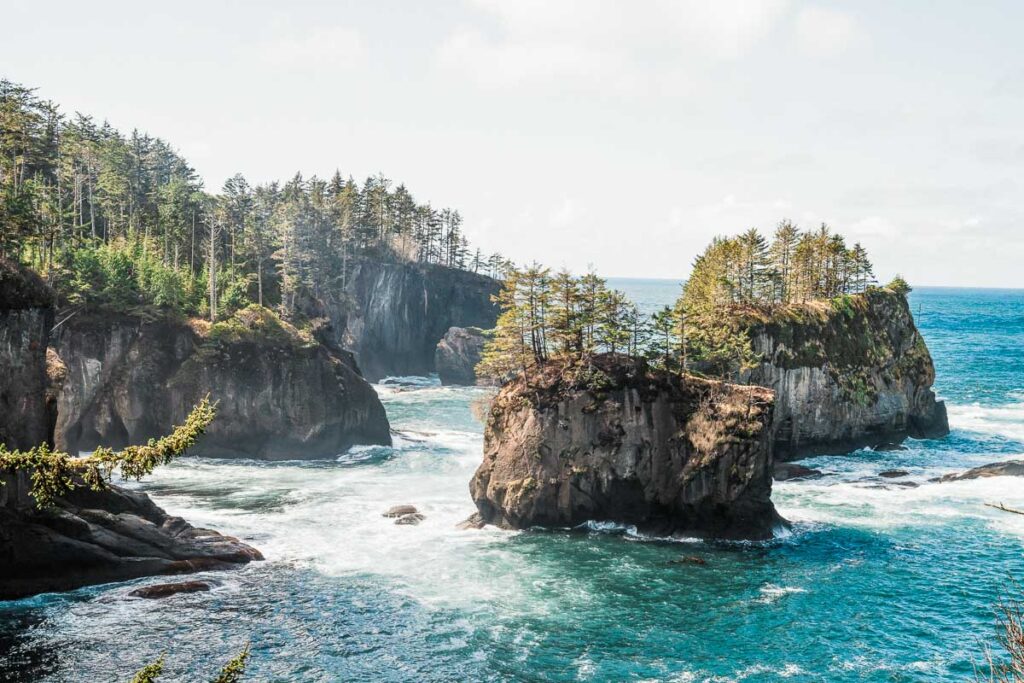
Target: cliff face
pixel 92 537
pixel 26 316
pixel 847 374
pixel 395 314
pixel 279 397
pixel 670 455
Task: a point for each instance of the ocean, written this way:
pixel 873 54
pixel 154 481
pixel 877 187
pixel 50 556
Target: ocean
pixel 875 581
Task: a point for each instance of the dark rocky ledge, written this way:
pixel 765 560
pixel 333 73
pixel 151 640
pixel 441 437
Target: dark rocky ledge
pixel 92 537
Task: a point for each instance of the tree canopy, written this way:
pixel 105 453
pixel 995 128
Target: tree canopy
pixel 123 220
pixel 568 319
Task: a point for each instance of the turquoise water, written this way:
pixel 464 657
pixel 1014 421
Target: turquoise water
pixel 876 582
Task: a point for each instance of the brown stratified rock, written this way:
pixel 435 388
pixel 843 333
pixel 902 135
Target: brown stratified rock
pixel 91 537
pixel 1007 468
pixel 474 521
pixel 399 510
pixel 458 354
pixel 166 590
pixel 615 441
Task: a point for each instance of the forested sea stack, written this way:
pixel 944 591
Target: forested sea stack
pixel 803 316
pixel 617 441
pixel 849 373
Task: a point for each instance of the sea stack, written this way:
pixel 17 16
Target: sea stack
pixel 458 354
pixel 616 441
pixel 848 373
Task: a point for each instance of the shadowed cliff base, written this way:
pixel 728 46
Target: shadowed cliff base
pixel 613 440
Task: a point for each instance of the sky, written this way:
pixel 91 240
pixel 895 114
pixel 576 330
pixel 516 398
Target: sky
pixel 622 135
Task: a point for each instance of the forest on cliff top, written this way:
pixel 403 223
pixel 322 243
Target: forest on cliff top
pixel 124 221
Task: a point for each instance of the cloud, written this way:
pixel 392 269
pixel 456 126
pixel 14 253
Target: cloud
pixel 826 32
pixel 337 46
pixel 603 44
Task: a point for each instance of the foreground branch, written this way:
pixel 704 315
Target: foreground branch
pixel 1002 507
pixel 55 473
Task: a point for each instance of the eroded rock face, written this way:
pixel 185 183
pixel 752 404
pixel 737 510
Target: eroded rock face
pixel 26 316
pixel 128 381
pixel 393 315
pixel 92 537
pixel 847 374
pixel 669 455
pixel 457 355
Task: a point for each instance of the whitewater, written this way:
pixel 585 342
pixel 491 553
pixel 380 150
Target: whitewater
pixel 877 580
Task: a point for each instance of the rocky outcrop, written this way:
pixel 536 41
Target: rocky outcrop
pixel 668 454
pixel 26 316
pixel 1007 468
pixel 392 315
pixel 280 395
pixel 848 373
pixel 88 536
pixel 91 537
pixel 457 355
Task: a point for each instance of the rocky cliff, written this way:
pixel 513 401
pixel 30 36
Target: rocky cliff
pixel 848 373
pixel 280 395
pixel 393 315
pixel 26 316
pixel 458 354
pixel 669 454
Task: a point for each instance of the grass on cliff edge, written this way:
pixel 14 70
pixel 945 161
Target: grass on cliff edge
pixel 256 325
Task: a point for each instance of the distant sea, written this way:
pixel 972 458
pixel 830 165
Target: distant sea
pixel 877 581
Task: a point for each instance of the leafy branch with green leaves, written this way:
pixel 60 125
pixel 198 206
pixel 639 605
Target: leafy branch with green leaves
pixel 54 473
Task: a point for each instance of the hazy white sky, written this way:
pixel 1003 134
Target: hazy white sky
pixel 619 134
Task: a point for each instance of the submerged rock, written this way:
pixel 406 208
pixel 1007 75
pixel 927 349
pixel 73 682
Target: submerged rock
pixel 893 474
pixel 1007 468
pixel 849 373
pixel 474 521
pixel 689 559
pixel 91 537
pixel 887 447
pixel 411 519
pixel 279 395
pixel 457 355
pixel 784 471
pixel 669 454
pixel 165 590
pixel 399 510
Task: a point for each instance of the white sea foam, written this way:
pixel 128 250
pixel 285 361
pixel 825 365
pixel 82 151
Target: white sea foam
pixel 771 593
pixel 1001 420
